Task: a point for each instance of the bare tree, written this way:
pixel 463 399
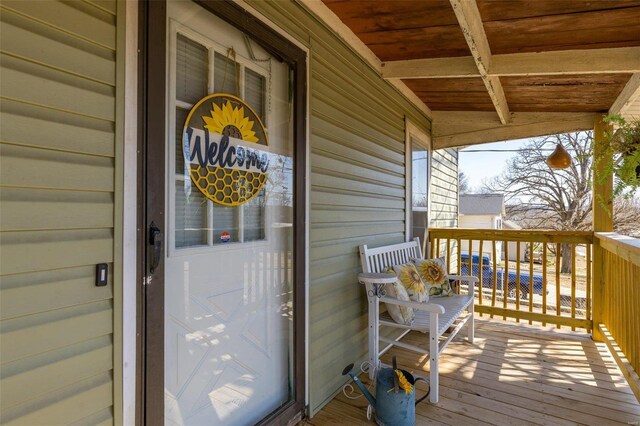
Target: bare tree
pixel 542 198
pixel 626 216
pixel 463 183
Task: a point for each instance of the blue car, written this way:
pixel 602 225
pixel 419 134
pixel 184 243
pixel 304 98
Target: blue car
pixel 487 276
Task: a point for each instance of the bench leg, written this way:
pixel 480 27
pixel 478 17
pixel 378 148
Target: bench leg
pixel 374 350
pixel 471 324
pixel 433 358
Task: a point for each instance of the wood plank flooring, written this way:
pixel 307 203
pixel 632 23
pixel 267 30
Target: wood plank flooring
pixel 512 375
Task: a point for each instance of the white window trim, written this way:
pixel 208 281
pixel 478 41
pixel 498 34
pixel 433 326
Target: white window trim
pixel 127 52
pixel 412 131
pixel 212 47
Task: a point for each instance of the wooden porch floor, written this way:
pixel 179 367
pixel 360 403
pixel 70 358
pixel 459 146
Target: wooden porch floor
pixel 512 375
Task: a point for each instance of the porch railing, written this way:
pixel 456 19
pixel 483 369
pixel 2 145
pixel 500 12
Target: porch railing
pixel 520 272
pixel 617 308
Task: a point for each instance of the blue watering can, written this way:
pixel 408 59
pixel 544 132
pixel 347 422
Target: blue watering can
pixel 394 407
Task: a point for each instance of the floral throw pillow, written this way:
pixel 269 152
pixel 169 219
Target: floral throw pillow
pixel 410 279
pixel 434 274
pixel 400 314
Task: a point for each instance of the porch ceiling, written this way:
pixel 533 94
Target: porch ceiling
pixel 510 57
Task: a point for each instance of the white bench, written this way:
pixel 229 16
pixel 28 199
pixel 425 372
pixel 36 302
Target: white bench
pixel 434 317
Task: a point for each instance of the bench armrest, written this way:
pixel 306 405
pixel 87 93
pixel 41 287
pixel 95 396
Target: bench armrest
pixel 471 282
pixel 428 307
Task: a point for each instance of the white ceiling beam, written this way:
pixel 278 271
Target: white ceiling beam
pixel 326 15
pixel 583 61
pixel 562 62
pixel 629 94
pixel 463 128
pixel 470 22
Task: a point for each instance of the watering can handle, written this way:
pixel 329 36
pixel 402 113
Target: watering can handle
pixel 418 379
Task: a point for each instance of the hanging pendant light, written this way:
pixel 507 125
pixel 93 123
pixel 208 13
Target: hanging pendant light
pixel 559 159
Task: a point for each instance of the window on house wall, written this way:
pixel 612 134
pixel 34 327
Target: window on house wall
pixel 419 187
pixel 201 70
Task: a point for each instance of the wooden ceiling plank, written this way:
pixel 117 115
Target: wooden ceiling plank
pixel 599 29
pixel 460 128
pixel 518 9
pixel 366 16
pixel 471 24
pixel 581 92
pixel 318 8
pixel 560 62
pixel 627 97
pixel 447 85
pixel 398 45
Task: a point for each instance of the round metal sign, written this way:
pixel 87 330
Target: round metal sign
pixel 226 149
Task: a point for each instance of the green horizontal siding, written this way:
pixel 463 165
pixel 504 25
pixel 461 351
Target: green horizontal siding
pixel 357 188
pixel 57 160
pixel 444 188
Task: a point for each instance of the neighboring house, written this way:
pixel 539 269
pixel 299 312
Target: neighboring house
pixel 487 211
pixel 481 211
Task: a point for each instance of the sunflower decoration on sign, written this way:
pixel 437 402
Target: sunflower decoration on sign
pixel 226 149
pixel 230 121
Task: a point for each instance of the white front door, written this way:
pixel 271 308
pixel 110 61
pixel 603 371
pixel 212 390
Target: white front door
pixel 229 268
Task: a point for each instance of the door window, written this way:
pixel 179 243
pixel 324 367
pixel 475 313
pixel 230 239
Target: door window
pixel 201 70
pixel 419 187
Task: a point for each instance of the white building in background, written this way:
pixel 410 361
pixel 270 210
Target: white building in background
pixel 486 211
pixel 509 224
pixel 481 211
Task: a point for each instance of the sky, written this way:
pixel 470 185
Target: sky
pixel 481 166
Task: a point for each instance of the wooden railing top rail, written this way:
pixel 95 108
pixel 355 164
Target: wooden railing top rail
pixel 526 235
pixel 626 247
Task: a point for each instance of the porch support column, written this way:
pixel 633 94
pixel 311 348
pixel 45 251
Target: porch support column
pixel 602 220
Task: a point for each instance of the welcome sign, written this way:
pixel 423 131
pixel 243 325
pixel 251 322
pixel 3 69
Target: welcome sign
pixel 225 149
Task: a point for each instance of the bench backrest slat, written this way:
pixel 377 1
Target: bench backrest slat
pixel 377 259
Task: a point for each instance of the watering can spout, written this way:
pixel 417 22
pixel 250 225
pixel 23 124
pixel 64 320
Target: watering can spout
pixel 349 370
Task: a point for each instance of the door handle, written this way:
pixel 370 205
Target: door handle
pixel 155 240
